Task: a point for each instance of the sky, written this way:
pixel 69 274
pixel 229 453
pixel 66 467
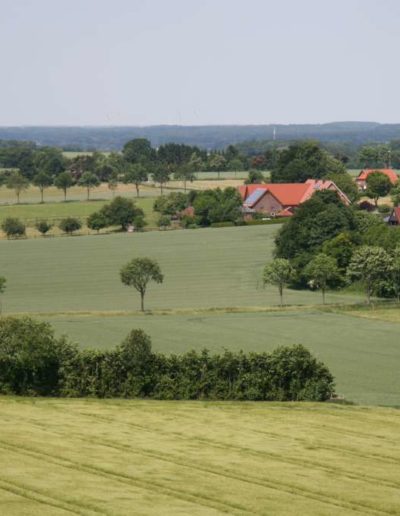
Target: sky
pixel 197 62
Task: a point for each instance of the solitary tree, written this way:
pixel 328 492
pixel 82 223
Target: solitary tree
pixel 279 272
pixel 136 174
pixel 378 185
pixel 321 271
pixel 17 182
pixel 42 181
pixel 97 221
pixel 138 273
pixel 89 180
pixel 63 182
pixel 2 289
pixel 370 265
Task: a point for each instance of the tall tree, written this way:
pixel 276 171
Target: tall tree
pixel 378 185
pixel 138 150
pixel 42 181
pixel 279 273
pixel 370 265
pixel 17 182
pixel 136 174
pixel 138 273
pixel 321 272
pixel 89 180
pixel 63 182
pixel 217 163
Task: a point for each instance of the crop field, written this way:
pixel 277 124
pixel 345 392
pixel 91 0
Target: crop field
pixel 73 282
pixel 124 457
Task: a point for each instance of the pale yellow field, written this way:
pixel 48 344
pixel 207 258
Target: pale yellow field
pixel 121 457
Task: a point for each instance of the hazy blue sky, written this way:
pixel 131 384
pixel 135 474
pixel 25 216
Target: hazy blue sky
pixel 141 62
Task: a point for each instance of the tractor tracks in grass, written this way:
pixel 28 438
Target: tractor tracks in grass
pixel 40 497
pixel 284 487
pixel 130 480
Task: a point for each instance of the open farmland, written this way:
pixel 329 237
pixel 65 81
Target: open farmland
pixel 140 457
pixel 74 283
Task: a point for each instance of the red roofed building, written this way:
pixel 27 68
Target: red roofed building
pixel 394 218
pixel 362 176
pixel 281 199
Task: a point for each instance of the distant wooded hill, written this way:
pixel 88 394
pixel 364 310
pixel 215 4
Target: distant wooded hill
pixel 207 137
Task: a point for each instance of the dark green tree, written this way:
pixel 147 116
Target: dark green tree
pixel 136 174
pixel 139 150
pixel 97 221
pixel 13 227
pixel 120 212
pixel 43 227
pixel 70 224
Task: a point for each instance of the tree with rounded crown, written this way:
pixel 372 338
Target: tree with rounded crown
pixel 64 181
pixel 136 174
pixel 279 273
pixel 378 185
pixel 138 273
pixel 321 271
pixel 42 181
pixel 89 180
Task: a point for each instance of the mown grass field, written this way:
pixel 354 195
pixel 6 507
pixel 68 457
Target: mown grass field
pixel 123 457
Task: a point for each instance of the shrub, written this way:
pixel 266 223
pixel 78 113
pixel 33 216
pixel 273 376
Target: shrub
pixel 164 222
pixel 188 222
pixel 121 212
pixel 13 227
pixel 384 209
pixel 34 362
pixel 139 223
pixel 43 226
pixel 69 225
pixel 96 221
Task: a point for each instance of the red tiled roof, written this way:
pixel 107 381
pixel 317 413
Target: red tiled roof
pixel 389 172
pixel 291 194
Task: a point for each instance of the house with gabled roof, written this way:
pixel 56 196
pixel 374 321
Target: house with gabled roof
pixel 281 199
pixel 362 176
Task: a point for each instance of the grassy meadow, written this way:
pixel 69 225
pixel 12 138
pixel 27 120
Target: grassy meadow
pixel 139 457
pixel 73 282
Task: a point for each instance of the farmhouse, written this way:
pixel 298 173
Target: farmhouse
pixel 394 217
pixel 281 199
pixel 362 176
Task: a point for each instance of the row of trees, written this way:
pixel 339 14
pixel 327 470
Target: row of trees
pixel 327 244
pixel 35 362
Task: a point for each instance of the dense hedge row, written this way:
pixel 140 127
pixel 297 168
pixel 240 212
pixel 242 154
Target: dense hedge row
pixel 34 362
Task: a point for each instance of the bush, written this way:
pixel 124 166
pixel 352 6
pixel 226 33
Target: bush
pixel 31 358
pixel 34 362
pixel 96 221
pixel 69 225
pixel 139 223
pixel 164 222
pixel 121 212
pixel 384 209
pixel 13 227
pixel 188 222
pixel 43 226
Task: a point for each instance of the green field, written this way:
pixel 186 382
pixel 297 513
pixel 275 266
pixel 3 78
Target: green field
pixel 74 283
pixel 123 457
pixel 54 212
